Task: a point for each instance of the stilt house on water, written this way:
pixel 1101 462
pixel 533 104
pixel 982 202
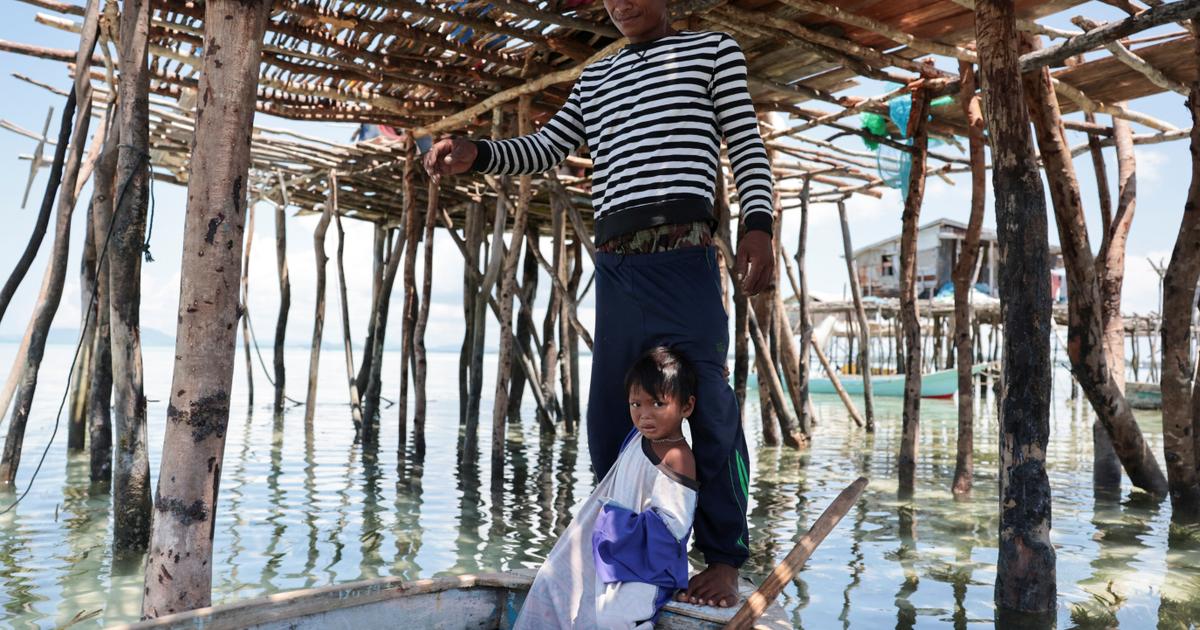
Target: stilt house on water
pixel 177 103
pixel 939 245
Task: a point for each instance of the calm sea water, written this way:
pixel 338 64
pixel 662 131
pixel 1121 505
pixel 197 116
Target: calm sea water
pixel 299 512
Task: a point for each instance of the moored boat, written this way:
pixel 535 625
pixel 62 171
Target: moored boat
pixel 941 384
pixel 483 601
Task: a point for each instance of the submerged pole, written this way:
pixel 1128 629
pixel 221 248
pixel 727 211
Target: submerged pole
pixel 909 319
pixel 1085 336
pixel 198 414
pixel 1025 570
pixel 864 336
pixel 412 227
pixel 314 352
pixel 508 282
pixel 422 365
pixel 285 294
pixel 356 415
pixel 963 277
pixel 100 430
pixel 1179 290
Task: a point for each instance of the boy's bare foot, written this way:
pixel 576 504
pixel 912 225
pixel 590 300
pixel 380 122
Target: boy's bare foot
pixel 714 586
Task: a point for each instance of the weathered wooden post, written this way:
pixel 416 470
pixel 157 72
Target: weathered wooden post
pixel 370 433
pixel 864 338
pixel 347 345
pixel 963 277
pixel 571 374
pixel 245 305
pixel 26 371
pixel 314 352
pixel 285 294
pixel 527 292
pixel 806 328
pixel 379 265
pixel 472 238
pixel 131 474
pixel 911 418
pixel 80 380
pixel 100 431
pixel 550 349
pixel 763 364
pixel 422 365
pixel 408 322
pixel 508 286
pixel 198 414
pixel 788 354
pixel 1085 343
pixel 1025 572
pixel 1179 298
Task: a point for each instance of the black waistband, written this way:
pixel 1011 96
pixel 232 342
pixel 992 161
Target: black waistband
pixel 685 209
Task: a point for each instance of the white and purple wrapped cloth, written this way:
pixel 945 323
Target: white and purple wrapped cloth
pixel 625 552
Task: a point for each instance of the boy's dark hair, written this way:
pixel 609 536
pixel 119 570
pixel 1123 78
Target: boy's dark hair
pixel 663 373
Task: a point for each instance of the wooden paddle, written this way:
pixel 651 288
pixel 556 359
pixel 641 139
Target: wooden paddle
pixel 783 573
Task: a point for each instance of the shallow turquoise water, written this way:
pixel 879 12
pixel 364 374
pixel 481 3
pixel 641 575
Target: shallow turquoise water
pixel 298 512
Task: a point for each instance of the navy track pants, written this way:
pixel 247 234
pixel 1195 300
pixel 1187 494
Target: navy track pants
pixel 673 298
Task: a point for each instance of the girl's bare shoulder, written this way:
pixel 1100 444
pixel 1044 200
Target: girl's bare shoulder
pixel 680 459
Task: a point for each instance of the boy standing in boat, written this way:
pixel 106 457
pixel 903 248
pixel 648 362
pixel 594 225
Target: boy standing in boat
pixel 653 116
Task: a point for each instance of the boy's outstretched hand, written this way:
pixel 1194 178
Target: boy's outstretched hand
pixel 755 264
pixel 451 156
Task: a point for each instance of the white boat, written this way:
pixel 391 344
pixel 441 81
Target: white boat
pixel 483 601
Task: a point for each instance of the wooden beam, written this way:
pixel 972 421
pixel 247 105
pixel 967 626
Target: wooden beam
pixel 1156 16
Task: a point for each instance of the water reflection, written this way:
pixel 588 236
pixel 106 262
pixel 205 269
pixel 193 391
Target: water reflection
pixel 301 508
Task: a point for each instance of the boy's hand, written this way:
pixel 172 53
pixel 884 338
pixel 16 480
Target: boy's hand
pixel 451 156
pixel 755 264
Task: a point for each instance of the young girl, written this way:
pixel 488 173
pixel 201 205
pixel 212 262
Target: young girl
pixel 625 553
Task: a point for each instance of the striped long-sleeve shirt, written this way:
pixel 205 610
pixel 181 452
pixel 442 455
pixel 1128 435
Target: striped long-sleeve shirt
pixel 653 116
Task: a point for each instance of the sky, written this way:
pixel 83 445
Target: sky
pixel 1163 177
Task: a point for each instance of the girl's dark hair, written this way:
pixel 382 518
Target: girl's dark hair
pixel 663 373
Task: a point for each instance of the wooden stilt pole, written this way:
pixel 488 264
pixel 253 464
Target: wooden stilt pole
pixel 43 220
pixel 370 434
pixel 322 260
pixel 100 430
pixel 245 305
pixel 80 381
pixel 413 227
pixel 422 362
pixel 190 473
pixel 911 419
pixel 966 327
pixel 1179 289
pixel 864 337
pixel 472 237
pixel 362 382
pixel 285 294
pixel 347 345
pixel 508 282
pixel 1085 323
pixel 805 416
pixel 765 368
pixel 551 349
pixel 55 274
pixel 741 322
pixel 571 373
pixel 1025 576
pixel 787 353
pixel 527 293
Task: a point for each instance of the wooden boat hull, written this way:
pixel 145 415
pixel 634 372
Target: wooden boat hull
pixel 1144 395
pixel 485 601
pixel 943 384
